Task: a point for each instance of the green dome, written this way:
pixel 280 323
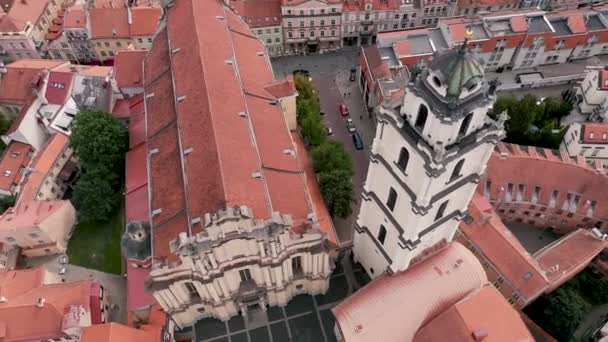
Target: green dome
pixel 458 69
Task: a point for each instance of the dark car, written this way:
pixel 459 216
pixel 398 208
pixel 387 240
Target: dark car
pixel 358 141
pixel 353 74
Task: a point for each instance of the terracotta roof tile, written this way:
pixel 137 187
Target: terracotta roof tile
pixel 16 156
pixel 75 18
pixel 114 332
pixel 58 87
pixel 259 13
pixel 22 13
pixel 16 85
pixel 128 68
pixel 282 88
pixel 577 23
pixel 113 22
pixel 137 296
pixel 212 130
pixel 393 307
pixel 485 311
pixel 519 24
pixel 30 213
pixel 49 318
pixel 594 132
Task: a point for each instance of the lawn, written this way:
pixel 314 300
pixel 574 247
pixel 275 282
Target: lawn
pixel 96 245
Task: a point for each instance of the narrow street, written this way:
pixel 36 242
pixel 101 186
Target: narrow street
pixel 330 73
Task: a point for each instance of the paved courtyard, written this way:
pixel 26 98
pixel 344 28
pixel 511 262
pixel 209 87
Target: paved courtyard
pixel 304 319
pixel 532 238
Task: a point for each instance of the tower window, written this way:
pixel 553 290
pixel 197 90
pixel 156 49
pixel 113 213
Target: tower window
pixel 423 112
pixel 436 81
pixel 404 157
pixel 535 194
pixel 464 126
pixel 392 199
pixel 457 169
pixel 441 210
pixel 382 234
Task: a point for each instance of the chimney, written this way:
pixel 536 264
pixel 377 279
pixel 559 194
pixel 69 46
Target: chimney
pixel 40 302
pixel 479 335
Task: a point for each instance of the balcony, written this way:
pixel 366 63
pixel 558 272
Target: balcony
pixel 367 22
pixel 249 291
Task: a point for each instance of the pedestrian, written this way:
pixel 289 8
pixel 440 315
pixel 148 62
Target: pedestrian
pixel 361 117
pixel 349 93
pixel 344 95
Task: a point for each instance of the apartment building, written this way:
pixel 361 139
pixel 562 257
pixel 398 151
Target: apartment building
pixel 77 35
pixel 264 19
pixel 517 40
pixel 38 228
pixel 311 25
pixel 256 240
pixel 16 157
pixel 24 26
pixel 589 139
pixel 115 29
pixel 127 72
pixel 591 94
pixel 19 82
pixel 60 310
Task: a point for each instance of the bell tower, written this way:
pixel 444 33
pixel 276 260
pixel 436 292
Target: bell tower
pixel 426 161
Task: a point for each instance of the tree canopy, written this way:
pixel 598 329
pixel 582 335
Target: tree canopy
pixel 563 311
pixel 333 165
pixel 533 122
pixel 337 190
pixel 99 142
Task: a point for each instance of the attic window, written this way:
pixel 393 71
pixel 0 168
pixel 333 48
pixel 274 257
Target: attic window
pixel 527 276
pixel 7 173
pixel 15 154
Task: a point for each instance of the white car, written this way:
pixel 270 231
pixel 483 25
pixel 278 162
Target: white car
pixel 330 131
pixel 350 125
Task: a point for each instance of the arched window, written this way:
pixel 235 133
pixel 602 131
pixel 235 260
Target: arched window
pixel 464 126
pixel 382 234
pixel 404 158
pixel 441 210
pixel 423 112
pixel 457 169
pixel 392 199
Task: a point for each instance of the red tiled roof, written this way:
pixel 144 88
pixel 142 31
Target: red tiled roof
pixel 519 23
pixel 577 23
pixel 377 5
pixel 114 332
pixel 485 311
pixel 48 319
pixel 113 22
pixel 137 185
pixel 137 124
pixel 282 88
pixel 393 307
pixel 506 253
pixel 215 179
pixel 594 132
pixel 377 68
pixel 299 2
pixel 128 68
pixel 29 213
pixel 258 13
pixel 122 109
pixel 21 77
pixel 42 164
pixel 76 17
pixel 567 256
pixel 21 14
pixel 16 156
pixel 402 48
pixel 137 296
pixel 58 87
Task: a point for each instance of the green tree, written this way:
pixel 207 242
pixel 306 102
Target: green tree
pixel 555 108
pixel 95 195
pixel 563 311
pixel 337 189
pixel 313 131
pixel 305 88
pixel 331 155
pixel 98 139
pixel 6 202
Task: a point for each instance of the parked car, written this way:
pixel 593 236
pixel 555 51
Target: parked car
pixel 358 141
pixel 353 74
pixel 329 131
pixel 343 109
pixel 350 125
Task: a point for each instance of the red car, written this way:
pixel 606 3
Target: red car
pixel 343 109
